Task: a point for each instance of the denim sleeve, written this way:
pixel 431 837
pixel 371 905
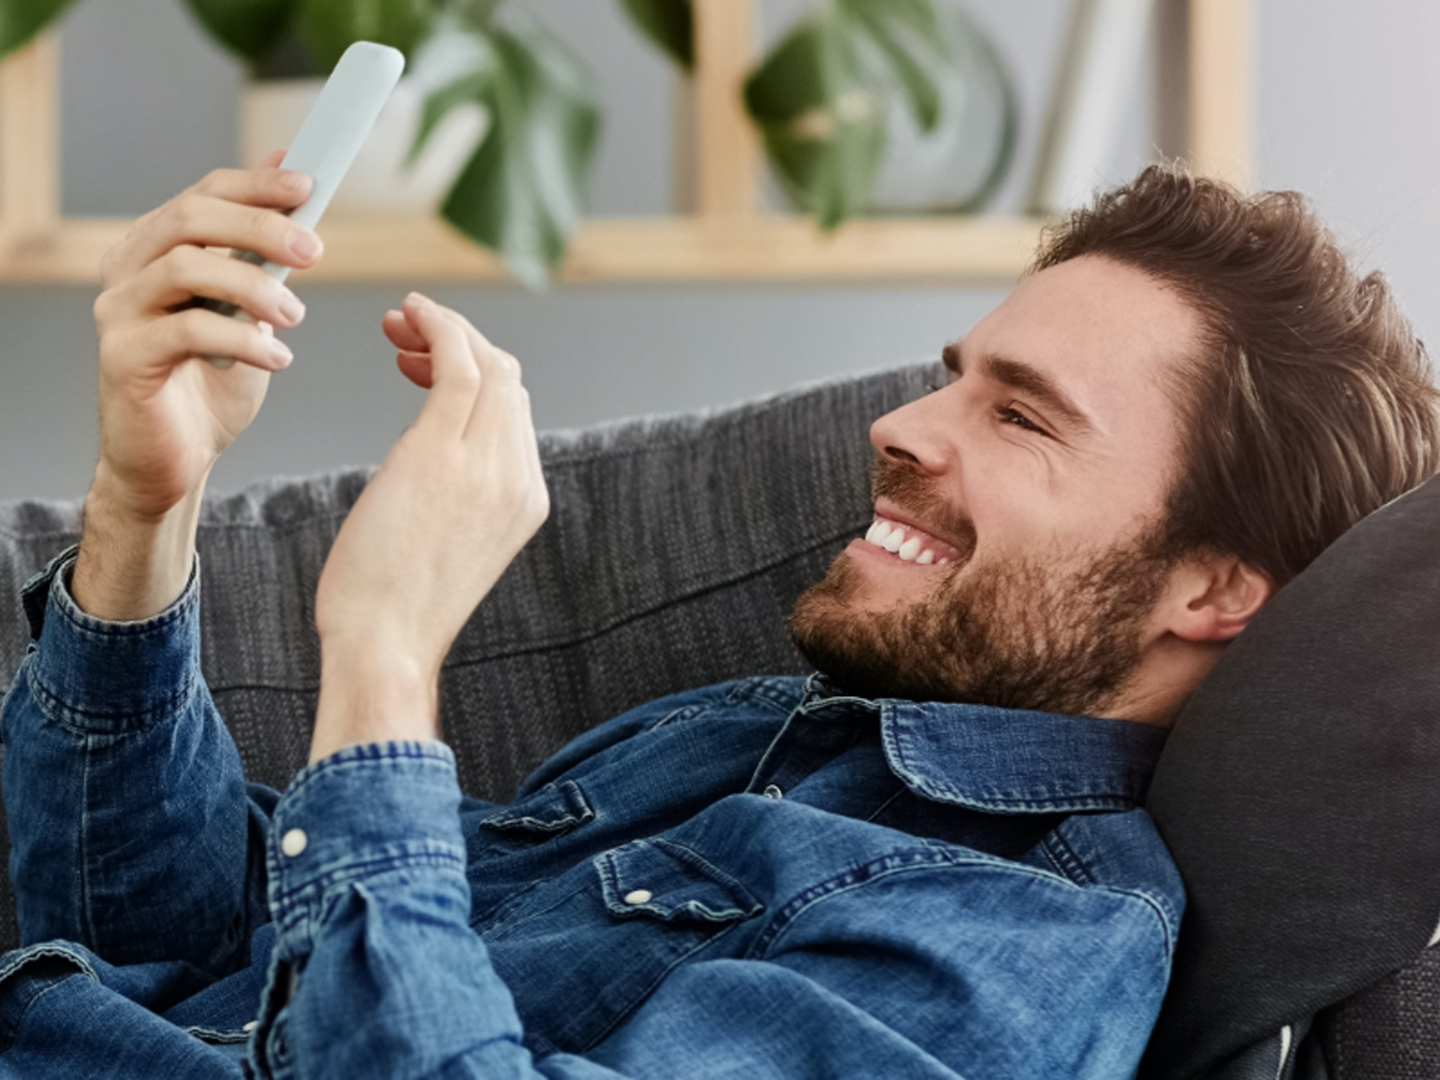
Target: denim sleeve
pixel 132 830
pixel 376 972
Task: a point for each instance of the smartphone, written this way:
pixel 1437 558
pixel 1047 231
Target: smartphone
pixel 332 134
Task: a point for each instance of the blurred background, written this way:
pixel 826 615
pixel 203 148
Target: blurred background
pixel 1343 97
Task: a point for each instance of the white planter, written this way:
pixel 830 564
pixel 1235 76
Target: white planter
pixel 272 112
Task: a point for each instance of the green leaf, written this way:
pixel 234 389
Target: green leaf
pixel 919 16
pixel 821 116
pixel 670 24
pixel 329 27
pixel 467 88
pixel 907 35
pixel 249 28
pixel 476 14
pixel 521 193
pixel 21 20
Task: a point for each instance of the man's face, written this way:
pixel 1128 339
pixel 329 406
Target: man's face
pixel 1015 559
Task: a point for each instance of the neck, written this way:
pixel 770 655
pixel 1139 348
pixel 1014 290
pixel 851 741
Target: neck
pixel 1162 684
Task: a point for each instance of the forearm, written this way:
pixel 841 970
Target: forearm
pixel 133 565
pixel 372 693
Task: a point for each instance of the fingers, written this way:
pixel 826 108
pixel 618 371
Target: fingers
pixel 454 375
pixel 229 208
pixel 194 332
pixel 401 333
pixel 415 366
pixel 186 272
pixel 475 387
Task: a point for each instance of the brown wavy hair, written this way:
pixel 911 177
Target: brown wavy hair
pixel 1311 402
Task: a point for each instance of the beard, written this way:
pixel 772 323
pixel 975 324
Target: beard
pixel 1060 636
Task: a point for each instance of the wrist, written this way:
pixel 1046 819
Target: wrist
pixel 371 694
pixel 132 565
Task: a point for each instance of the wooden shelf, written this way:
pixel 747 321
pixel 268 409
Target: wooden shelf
pixel 727 239
pixel 633 250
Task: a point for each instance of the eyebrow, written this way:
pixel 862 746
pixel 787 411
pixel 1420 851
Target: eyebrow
pixel 1028 380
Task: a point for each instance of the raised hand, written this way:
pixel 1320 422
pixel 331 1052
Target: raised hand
pixel 165 414
pixel 456 499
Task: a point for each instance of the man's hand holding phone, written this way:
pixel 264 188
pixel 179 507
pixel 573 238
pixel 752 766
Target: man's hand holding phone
pixel 165 415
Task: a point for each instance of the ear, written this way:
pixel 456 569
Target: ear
pixel 1211 598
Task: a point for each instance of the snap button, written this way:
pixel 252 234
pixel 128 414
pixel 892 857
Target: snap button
pixel 293 842
pixel 251 1026
pixel 639 896
pixel 773 792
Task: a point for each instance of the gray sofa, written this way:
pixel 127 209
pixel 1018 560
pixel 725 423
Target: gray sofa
pixel 674 551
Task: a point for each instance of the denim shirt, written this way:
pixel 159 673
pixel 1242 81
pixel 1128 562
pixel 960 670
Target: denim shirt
pixel 764 878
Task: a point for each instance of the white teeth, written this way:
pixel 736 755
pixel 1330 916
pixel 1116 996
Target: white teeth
pixel 926 558
pixel 893 540
pixel 942 561
pixel 909 549
pixel 878 532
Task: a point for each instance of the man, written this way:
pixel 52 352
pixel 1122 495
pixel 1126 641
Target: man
pixel 927 862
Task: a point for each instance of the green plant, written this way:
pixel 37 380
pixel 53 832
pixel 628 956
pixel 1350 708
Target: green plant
pixel 521 192
pixel 820 98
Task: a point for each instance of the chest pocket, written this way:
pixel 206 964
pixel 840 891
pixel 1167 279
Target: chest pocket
pixel 552 811
pixel 660 880
pixel 626 918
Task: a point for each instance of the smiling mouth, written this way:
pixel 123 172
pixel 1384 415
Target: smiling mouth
pixel 909 544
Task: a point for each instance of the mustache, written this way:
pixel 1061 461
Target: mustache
pixel 920 498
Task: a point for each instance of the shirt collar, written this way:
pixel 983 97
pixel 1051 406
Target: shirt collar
pixel 1010 761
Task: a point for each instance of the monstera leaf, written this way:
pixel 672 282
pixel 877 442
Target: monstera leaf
pixel 670 24
pixel 522 191
pixel 249 28
pixel 329 28
pixel 21 20
pixel 907 33
pixel 821 96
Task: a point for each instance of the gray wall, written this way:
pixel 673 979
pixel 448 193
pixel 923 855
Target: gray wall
pixel 148 105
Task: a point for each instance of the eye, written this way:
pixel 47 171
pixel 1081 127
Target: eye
pixel 1013 416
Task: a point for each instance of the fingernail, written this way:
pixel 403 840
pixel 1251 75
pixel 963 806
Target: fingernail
pixel 295 181
pixel 418 298
pixel 304 244
pixel 291 307
pixel 281 351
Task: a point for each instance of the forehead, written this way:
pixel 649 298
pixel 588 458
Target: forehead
pixel 1108 335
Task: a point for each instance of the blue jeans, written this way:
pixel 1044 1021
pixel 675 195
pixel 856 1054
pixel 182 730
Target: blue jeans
pixel 763 878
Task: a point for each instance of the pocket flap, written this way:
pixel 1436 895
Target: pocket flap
pixel 554 809
pixel 660 879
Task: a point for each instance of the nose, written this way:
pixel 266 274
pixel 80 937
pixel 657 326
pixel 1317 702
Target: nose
pixel 916 435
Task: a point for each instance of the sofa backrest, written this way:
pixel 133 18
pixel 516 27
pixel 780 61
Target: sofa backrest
pixel 673 552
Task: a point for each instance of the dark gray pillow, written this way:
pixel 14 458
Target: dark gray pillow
pixel 1300 796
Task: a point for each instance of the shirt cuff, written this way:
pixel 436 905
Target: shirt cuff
pixel 361 815
pixel 106 677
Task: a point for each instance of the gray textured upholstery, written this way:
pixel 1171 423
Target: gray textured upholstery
pixel 673 552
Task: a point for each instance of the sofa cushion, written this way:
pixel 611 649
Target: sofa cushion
pixel 1299 796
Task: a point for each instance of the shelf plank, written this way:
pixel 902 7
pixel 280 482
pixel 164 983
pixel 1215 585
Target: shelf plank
pixel 29 143
pixel 680 249
pixel 1221 89
pixel 728 152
